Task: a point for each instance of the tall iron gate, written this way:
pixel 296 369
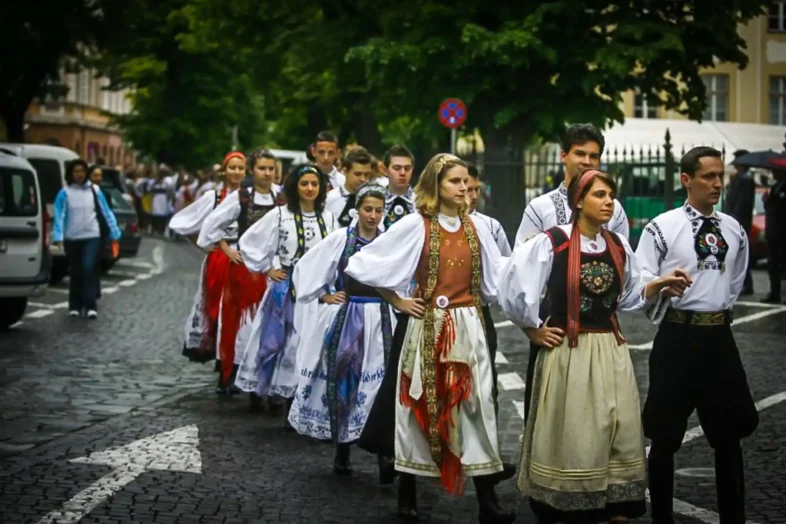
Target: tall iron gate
pixel 647 180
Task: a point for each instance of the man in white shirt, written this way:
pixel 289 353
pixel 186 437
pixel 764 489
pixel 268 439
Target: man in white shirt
pixel 326 154
pixel 340 201
pixel 694 362
pixel 399 163
pixel 582 147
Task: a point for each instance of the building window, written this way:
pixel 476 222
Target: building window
pixel 778 100
pixel 83 87
pixel 71 82
pixel 641 109
pixel 777 17
pixel 717 98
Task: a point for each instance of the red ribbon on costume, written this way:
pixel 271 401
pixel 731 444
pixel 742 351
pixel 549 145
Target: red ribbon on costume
pixel 244 292
pixel 574 263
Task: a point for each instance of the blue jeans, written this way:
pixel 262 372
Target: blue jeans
pixel 83 284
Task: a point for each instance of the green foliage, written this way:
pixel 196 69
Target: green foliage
pixel 376 71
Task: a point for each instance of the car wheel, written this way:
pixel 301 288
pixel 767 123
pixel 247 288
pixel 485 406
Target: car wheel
pixel 11 311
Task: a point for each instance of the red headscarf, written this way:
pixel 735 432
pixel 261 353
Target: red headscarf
pixel 230 156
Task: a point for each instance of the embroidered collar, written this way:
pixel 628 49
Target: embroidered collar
pixel 563 191
pixel 409 196
pixel 343 191
pixel 694 215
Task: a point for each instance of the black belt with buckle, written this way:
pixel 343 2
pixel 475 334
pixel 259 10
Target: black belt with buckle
pixel 700 318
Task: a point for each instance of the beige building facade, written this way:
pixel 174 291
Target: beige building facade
pixel 755 95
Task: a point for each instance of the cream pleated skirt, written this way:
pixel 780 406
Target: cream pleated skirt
pixel 583 445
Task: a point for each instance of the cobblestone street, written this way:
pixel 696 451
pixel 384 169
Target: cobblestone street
pixel 160 447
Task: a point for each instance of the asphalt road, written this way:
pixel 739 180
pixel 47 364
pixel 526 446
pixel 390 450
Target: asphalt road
pixel 162 448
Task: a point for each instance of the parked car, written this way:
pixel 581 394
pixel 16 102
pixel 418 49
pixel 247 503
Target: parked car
pixel 128 223
pixel 25 260
pixel 49 164
pixel 117 179
pixel 758 241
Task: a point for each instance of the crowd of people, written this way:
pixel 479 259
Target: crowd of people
pixel 358 305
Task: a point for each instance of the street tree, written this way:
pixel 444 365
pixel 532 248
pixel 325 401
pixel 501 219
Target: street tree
pixel 36 41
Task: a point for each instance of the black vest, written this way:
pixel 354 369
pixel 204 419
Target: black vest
pixel 599 289
pixel 249 211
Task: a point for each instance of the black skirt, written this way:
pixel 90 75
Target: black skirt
pixel 379 433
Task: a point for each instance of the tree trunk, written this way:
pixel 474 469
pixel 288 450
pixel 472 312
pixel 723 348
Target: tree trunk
pixel 14 119
pixel 366 128
pixel 503 173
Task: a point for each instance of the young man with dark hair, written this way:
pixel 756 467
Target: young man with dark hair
pixel 582 147
pixel 326 154
pixel 694 362
pixel 399 165
pixel 356 165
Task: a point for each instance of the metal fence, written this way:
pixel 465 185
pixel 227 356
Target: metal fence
pixel 647 178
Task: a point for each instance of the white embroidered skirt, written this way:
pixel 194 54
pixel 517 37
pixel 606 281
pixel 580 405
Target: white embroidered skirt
pixel 475 419
pixel 310 413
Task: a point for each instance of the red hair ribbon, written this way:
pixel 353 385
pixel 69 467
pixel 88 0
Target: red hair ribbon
pixel 230 156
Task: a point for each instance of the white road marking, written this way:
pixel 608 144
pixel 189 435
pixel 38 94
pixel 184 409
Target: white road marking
pixel 127 283
pixel 135 263
pixel 108 290
pixel 16 325
pixel 758 304
pixel 58 305
pixel 58 290
pixel 737 321
pixel 125 274
pixel 45 306
pixel 519 405
pixel 41 313
pixel 144 276
pixel 176 450
pixel 158 259
pixel 510 381
pixel 504 323
pixel 500 358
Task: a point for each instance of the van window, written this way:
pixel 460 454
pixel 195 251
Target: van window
pixel 50 177
pixel 17 193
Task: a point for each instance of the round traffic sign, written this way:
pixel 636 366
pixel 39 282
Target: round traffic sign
pixel 452 113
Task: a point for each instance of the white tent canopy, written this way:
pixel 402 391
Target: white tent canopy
pixel 642 133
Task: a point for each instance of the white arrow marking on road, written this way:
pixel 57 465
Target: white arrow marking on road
pixel 176 450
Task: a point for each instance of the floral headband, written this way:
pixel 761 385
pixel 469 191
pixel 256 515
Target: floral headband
pixel 374 190
pixel 308 170
pixel 444 160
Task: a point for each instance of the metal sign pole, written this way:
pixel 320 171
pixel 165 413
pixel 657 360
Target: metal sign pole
pixel 452 140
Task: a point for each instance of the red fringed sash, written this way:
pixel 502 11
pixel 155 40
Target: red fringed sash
pixel 244 291
pixel 214 280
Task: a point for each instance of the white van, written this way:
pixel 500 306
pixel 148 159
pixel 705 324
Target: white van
pixel 25 261
pixel 49 162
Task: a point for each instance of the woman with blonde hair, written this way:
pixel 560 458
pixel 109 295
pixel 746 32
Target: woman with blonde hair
pixel 445 421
